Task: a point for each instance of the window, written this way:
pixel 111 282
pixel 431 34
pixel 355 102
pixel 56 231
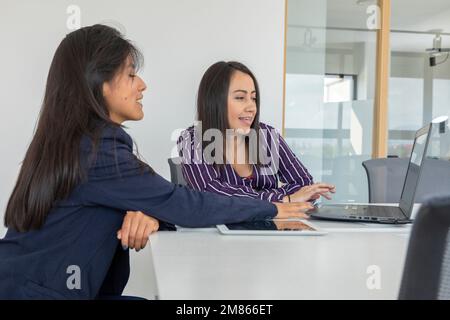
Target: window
pixel 338 88
pixel 330 86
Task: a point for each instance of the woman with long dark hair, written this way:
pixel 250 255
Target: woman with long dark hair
pixel 82 197
pixel 248 158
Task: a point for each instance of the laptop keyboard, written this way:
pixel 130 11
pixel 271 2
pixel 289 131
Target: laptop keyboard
pixel 360 212
pixel 377 211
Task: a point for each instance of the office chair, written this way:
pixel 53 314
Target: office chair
pixel 176 175
pixel 435 179
pixel 385 178
pixel 426 274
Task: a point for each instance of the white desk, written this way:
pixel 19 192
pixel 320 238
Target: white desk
pixel 203 264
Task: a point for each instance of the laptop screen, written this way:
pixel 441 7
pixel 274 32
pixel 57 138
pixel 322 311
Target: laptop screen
pixel 413 173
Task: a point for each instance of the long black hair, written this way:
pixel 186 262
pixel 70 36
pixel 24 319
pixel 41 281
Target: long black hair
pixel 212 100
pixel 73 106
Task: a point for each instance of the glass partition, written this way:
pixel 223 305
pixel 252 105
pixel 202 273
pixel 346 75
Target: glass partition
pixel 330 77
pixel 419 84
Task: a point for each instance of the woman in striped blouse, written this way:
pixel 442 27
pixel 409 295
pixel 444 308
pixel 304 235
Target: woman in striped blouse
pixel 246 158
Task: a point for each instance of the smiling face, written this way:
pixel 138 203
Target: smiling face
pixel 123 95
pixel 241 104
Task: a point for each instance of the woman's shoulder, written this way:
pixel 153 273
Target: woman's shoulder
pixel 189 138
pixel 269 131
pixel 109 152
pixel 269 128
pixel 107 138
pixel 188 133
pixel 116 134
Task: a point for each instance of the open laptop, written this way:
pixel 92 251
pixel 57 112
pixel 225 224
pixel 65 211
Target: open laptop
pixel 385 214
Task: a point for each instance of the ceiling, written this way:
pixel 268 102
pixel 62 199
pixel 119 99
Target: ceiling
pixel 408 15
pixel 413 22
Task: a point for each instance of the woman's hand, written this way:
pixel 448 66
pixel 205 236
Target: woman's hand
pixel 293 210
pixel 312 192
pixel 136 229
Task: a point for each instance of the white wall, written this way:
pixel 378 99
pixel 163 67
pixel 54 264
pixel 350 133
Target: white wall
pixel 179 38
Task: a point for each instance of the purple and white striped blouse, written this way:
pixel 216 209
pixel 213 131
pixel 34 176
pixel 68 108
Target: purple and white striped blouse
pixel 262 184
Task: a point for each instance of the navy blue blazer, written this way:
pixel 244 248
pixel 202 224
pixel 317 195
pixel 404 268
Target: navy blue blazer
pixel 76 254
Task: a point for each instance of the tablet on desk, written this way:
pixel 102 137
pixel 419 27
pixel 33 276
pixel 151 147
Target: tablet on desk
pixel 275 227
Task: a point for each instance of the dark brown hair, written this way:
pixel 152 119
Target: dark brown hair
pixel 73 106
pixel 212 98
